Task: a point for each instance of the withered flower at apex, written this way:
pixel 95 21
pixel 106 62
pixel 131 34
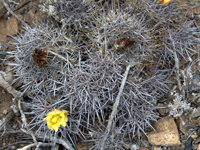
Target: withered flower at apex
pixel 164 2
pixel 39 56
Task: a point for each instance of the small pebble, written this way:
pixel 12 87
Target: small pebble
pixel 197 141
pixel 191 2
pixel 166 133
pixel 134 147
pixel 198 147
pixel 5 111
pixel 198 121
pixel 3 92
pixel 195 82
pixel 9 75
pixel 4 144
pixel 182 124
pixel 194 135
pixel 196 113
pixel 163 110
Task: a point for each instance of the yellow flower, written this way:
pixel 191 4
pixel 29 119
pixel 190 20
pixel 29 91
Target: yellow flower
pixel 164 2
pixel 55 118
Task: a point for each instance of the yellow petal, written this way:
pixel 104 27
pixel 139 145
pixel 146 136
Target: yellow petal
pixel 56 127
pixel 166 2
pixel 64 122
pixel 56 118
pixel 49 127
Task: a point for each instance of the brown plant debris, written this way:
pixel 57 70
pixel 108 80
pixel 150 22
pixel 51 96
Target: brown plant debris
pixel 39 56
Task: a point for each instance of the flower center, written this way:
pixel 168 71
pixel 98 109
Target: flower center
pixel 55 118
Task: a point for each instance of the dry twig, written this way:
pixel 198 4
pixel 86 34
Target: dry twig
pixel 34 145
pixel 22 114
pixel 64 143
pixel 27 147
pixel 177 67
pixel 193 99
pixel 61 57
pixel 10 11
pixel 5 120
pixel 115 105
pixel 16 94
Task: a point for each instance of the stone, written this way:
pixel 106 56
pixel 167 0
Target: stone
pixel 166 133
pixel 5 111
pixel 3 92
pixel 9 75
pixel 134 147
pixel 195 114
pixel 195 82
pixel 31 17
pixel 191 2
pixel 198 147
pixel 12 26
pixel 197 144
pixel 163 111
pixel 198 121
pixel 17 84
pixel 182 123
pixel 194 135
pixel 197 141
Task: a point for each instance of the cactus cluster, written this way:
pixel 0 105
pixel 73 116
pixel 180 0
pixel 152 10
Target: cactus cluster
pixel 79 65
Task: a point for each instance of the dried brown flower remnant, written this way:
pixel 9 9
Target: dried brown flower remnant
pixel 124 43
pixel 39 56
